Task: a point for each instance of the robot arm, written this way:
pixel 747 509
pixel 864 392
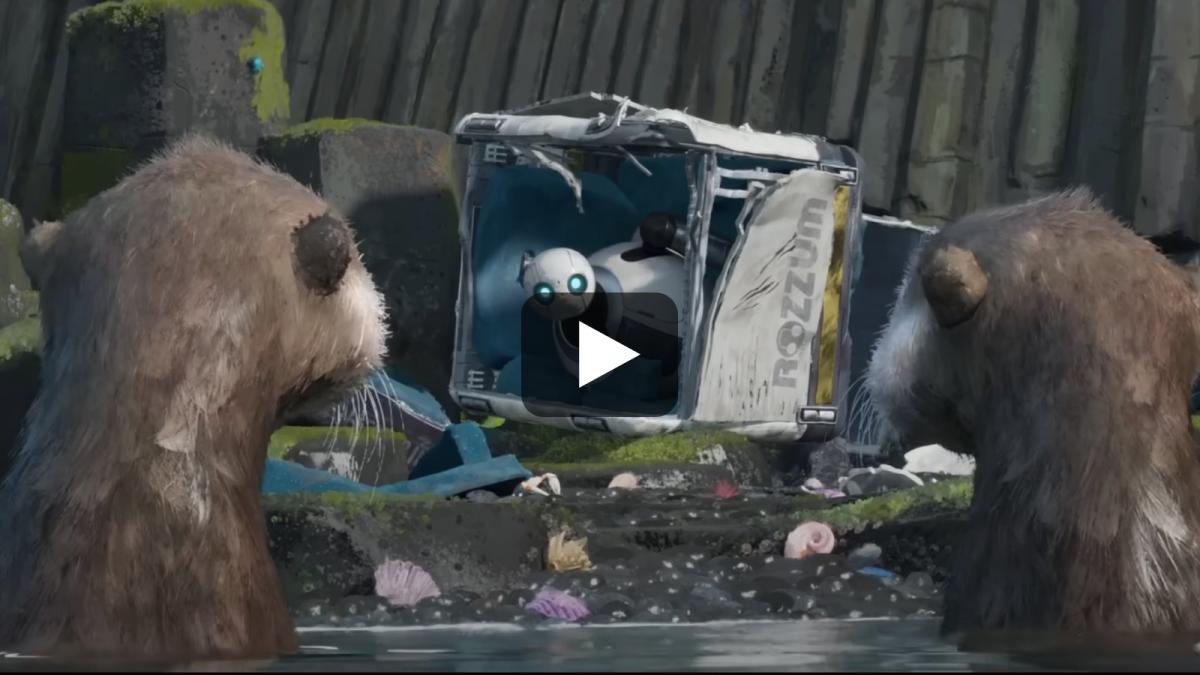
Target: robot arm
pixel 660 232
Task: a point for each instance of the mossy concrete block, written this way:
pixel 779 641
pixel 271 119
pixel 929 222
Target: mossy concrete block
pixel 17 300
pixel 398 186
pixel 20 370
pixel 87 171
pixel 328 546
pixel 143 72
pixel 21 338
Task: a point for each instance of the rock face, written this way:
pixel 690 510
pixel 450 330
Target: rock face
pixel 329 546
pixel 142 73
pixel 397 186
pixel 657 555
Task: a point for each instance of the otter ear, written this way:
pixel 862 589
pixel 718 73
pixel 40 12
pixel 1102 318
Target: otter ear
pixel 36 250
pixel 954 284
pixel 324 247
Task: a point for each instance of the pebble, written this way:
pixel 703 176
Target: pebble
pixel 864 556
pixel 623 481
pixel 788 601
pixel 918 585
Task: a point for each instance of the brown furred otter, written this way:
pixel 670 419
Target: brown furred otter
pixel 1058 348
pixel 182 310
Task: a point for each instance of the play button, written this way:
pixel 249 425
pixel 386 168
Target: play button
pixel 621 358
pixel 600 354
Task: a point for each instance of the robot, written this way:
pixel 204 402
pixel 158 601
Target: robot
pixel 560 280
pixel 634 292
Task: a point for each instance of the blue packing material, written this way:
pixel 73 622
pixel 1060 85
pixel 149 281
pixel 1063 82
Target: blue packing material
pixel 461 462
pixel 462 443
pixel 283 477
pixel 397 388
pixel 876 572
pixel 403 406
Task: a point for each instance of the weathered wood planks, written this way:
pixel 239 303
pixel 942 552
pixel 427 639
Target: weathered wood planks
pixel 946 131
pixel 953 104
pixel 890 92
pixel 1167 197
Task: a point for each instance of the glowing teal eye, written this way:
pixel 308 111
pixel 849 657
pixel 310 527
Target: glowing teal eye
pixel 544 293
pixel 577 284
pixel 255 65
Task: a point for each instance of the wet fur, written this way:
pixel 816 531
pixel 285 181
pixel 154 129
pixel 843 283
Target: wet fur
pixel 176 327
pixel 1070 386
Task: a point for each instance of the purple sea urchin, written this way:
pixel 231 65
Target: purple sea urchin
pixel 556 604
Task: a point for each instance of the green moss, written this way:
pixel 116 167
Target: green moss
pixel 17 305
pixel 87 173
pixel 954 494
pixel 539 467
pixel 1196 422
pixel 16 300
pixel 677 447
pixel 22 337
pixel 10 218
pixel 286 438
pixel 484 421
pixel 599 447
pixel 582 446
pixel 272 100
pixel 126 14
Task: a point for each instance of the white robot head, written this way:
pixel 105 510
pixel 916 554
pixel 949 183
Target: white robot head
pixel 560 280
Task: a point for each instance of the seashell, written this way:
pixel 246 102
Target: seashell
pixel 565 556
pixel 937 459
pixel 624 481
pixel 403 583
pixel 726 490
pixel 555 604
pixel 533 485
pixel 808 539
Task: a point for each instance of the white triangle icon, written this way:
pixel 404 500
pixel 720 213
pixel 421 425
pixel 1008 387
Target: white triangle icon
pixel 600 354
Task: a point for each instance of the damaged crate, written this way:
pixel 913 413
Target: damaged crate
pixel 724 258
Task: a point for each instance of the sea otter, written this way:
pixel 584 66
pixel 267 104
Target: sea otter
pixel 1058 348
pixel 183 311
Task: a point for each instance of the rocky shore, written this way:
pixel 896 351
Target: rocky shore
pixel 651 555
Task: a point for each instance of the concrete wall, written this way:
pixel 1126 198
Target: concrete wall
pixel 954 104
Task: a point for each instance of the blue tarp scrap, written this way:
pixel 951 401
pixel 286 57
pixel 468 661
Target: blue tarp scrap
pixel 460 460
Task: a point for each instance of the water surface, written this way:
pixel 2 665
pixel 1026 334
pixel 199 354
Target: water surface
pixel 862 645
pixel 827 645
